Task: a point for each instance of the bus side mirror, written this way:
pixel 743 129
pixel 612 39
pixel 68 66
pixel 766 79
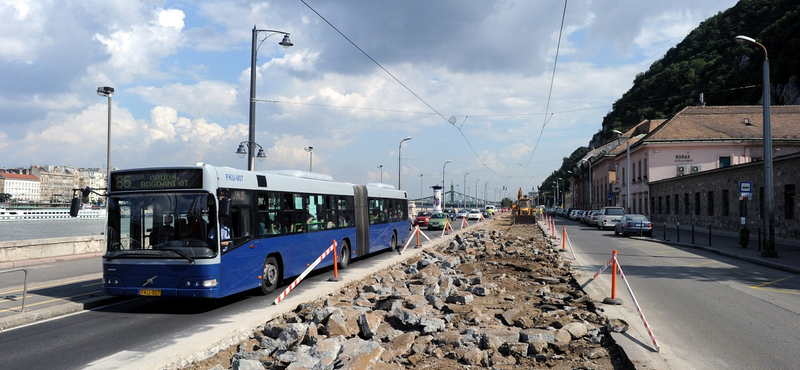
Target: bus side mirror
pixel 74 207
pixel 225 207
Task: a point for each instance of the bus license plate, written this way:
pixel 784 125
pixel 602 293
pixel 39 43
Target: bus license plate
pixel 150 292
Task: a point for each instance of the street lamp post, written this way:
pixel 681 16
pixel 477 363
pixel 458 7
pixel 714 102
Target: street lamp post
pixel 310 150
pixel 444 196
pixel 476 192
pixel 107 92
pixel 381 167
pixel 769 217
pixel 589 165
pixel 251 163
pixel 421 196
pixel 465 190
pixel 627 171
pixel 399 149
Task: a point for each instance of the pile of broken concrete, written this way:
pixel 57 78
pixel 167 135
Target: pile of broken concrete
pixel 500 299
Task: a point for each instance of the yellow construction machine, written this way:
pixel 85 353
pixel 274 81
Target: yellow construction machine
pixel 524 209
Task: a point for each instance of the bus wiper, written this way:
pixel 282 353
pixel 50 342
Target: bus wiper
pixel 190 259
pixel 126 255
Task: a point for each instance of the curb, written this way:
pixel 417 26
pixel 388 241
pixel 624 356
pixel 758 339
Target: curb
pixel 758 261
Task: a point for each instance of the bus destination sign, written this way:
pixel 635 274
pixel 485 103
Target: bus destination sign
pixel 157 179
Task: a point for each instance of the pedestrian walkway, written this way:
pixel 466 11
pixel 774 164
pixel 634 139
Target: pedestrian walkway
pixel 727 244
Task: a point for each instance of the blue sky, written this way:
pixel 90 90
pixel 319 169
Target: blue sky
pixel 181 71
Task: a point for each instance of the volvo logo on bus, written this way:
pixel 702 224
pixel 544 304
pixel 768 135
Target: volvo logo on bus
pixel 150 280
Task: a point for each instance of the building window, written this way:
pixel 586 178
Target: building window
pixel 686 203
pixel 725 202
pixel 677 202
pixel 697 204
pixel 761 202
pixel 667 197
pixel 652 203
pixel 724 162
pixel 710 203
pixel 788 201
pixel 659 205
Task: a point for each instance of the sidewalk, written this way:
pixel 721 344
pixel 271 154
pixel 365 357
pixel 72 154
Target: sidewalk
pixel 727 244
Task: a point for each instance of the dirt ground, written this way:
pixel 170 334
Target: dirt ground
pixel 534 290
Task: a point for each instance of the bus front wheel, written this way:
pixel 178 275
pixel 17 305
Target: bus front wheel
pixel 394 241
pixel 344 255
pixel 270 276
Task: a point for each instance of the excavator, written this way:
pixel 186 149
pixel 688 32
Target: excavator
pixel 524 210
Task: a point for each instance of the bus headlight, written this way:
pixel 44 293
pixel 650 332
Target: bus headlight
pixel 209 283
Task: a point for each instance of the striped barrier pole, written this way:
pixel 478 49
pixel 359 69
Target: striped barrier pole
pixel 638 309
pixel 303 275
pixel 446 228
pixel 570 246
pixel 613 300
pixel 417 231
pixel 600 271
pixel 564 237
pixel 464 222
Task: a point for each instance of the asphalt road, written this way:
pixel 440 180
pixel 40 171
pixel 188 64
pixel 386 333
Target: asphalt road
pixel 148 333
pixel 706 311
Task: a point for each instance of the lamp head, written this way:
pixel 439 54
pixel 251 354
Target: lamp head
pixel 261 155
pixel 105 91
pixel 617 132
pixel 310 148
pixel 286 43
pixel 241 152
pixel 745 40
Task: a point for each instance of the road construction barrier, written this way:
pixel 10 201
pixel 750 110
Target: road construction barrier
pixel 464 222
pixel 614 263
pixel 447 228
pixel 309 269
pixel 418 232
pixel 564 241
pixel 636 303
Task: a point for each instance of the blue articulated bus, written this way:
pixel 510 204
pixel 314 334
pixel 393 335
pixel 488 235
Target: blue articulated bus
pixel 163 225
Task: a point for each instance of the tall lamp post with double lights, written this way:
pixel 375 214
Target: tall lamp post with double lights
pixel 251 141
pixel 107 92
pixel 769 217
pixel 627 171
pixel 399 150
pixel 310 150
pixel 443 188
pixel 476 193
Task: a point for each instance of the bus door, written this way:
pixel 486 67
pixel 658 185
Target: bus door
pixel 362 220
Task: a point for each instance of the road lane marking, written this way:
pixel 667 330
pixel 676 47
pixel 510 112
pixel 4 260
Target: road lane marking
pixel 702 263
pixel 762 286
pixel 28 305
pixel 60 283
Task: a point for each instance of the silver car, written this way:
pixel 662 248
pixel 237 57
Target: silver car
pixel 633 224
pixel 609 216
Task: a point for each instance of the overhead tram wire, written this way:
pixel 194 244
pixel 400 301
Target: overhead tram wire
pixel 552 80
pixel 397 80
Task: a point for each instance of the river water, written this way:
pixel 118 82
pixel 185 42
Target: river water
pixel 24 230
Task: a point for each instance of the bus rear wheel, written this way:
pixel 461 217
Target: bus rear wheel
pixel 344 255
pixel 270 275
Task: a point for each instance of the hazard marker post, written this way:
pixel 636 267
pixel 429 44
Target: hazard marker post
pixel 563 238
pixel 303 275
pixel 638 308
pixel 418 232
pixel 464 222
pixel 335 264
pixel 613 299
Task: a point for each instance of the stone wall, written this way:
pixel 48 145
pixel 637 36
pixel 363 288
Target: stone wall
pixel 714 184
pixel 24 250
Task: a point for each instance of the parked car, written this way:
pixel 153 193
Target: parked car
pixel 474 214
pixel 634 224
pixel 587 217
pixel 422 218
pixel 609 216
pixel 437 221
pixel 575 214
pixel 462 214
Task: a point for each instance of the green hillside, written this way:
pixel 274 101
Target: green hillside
pixel 709 61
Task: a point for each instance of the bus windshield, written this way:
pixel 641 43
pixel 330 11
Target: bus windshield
pixel 163 225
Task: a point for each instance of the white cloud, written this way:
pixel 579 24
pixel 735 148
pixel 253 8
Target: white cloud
pixel 203 99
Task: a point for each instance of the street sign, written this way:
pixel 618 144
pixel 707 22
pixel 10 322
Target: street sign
pixel 609 196
pixel 745 186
